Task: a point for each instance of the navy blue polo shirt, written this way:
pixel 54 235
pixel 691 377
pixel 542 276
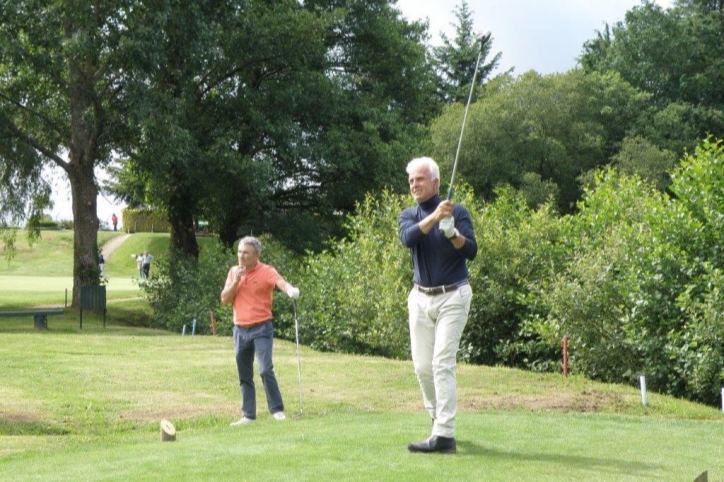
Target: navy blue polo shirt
pixel 435 260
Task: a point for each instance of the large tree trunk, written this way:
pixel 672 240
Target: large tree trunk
pixel 85 227
pixel 228 232
pixel 180 208
pixel 86 120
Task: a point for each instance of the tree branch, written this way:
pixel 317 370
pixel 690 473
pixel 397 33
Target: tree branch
pixel 36 145
pixel 33 113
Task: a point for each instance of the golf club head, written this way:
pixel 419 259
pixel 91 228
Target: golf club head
pixel 482 37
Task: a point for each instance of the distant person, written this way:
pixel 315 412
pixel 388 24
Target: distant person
pixel 439 302
pixel 114 220
pixel 249 288
pixel 147 258
pixel 139 262
pixel 101 264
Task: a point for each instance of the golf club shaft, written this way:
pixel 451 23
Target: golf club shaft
pixel 299 359
pixel 483 39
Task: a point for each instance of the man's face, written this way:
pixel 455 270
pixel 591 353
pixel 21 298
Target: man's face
pixel 247 256
pixel 422 186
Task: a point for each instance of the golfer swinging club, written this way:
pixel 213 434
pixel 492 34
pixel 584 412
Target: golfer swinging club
pixel 249 287
pixel 439 302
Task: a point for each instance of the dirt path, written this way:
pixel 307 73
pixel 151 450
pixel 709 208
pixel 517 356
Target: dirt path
pixel 111 245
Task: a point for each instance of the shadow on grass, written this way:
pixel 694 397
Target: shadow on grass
pixel 575 462
pixel 18 427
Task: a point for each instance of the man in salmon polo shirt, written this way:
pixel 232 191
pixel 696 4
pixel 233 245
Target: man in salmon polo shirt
pixel 249 287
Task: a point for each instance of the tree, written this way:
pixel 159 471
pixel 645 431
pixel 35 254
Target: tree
pixel 557 126
pixel 639 157
pixel 456 59
pixel 676 55
pixel 62 77
pixel 281 117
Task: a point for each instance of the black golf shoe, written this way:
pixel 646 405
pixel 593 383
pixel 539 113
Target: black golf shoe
pixel 443 445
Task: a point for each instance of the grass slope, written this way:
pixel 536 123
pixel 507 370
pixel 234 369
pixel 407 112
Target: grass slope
pixel 51 255
pixel 42 274
pixel 87 407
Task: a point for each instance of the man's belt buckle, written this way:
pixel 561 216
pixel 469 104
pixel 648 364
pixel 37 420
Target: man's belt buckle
pixel 437 290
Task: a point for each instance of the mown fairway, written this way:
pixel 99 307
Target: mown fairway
pixel 85 405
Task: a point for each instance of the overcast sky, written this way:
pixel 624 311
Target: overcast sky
pixel 544 35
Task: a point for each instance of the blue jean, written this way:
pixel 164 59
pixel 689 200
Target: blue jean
pixel 259 340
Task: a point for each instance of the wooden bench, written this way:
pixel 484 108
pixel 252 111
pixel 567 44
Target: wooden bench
pixel 40 315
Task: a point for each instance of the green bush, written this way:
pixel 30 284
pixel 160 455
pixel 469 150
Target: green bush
pixel 145 221
pixel 519 249
pixel 700 356
pixel 182 289
pixel 699 188
pixel 66 224
pixel 618 297
pixel 353 295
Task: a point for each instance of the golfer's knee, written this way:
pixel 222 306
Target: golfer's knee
pixel 423 372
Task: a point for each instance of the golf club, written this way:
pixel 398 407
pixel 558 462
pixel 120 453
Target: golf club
pixel 447 223
pixel 299 360
pixel 483 39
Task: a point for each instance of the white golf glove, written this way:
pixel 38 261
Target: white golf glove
pixel 293 292
pixel 447 226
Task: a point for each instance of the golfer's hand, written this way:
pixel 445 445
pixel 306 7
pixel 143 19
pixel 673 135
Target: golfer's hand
pixel 293 292
pixel 447 226
pixel 240 272
pixel 443 210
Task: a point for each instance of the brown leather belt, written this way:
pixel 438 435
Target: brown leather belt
pixel 437 290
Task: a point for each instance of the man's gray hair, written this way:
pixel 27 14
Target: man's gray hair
pixel 252 241
pixel 428 162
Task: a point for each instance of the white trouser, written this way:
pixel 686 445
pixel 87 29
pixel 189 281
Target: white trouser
pixel 436 325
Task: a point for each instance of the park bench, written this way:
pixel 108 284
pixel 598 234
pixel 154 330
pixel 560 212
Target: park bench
pixel 40 315
pixel 93 298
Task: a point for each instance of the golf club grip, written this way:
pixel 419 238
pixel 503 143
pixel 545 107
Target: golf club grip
pixel 450 193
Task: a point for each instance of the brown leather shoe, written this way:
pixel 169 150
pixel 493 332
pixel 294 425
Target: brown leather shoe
pixel 443 445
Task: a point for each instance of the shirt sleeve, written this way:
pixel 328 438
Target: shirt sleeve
pixel 410 232
pixel 464 225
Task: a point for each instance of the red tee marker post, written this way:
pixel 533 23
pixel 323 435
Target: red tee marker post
pixel 213 322
pixel 565 356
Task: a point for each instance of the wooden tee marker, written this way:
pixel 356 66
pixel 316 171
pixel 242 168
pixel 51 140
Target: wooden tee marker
pixel 213 323
pixel 168 431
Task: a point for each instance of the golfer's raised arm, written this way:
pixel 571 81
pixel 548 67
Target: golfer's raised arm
pixel 229 291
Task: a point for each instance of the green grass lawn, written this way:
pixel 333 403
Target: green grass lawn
pixel 85 405
pixel 51 255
